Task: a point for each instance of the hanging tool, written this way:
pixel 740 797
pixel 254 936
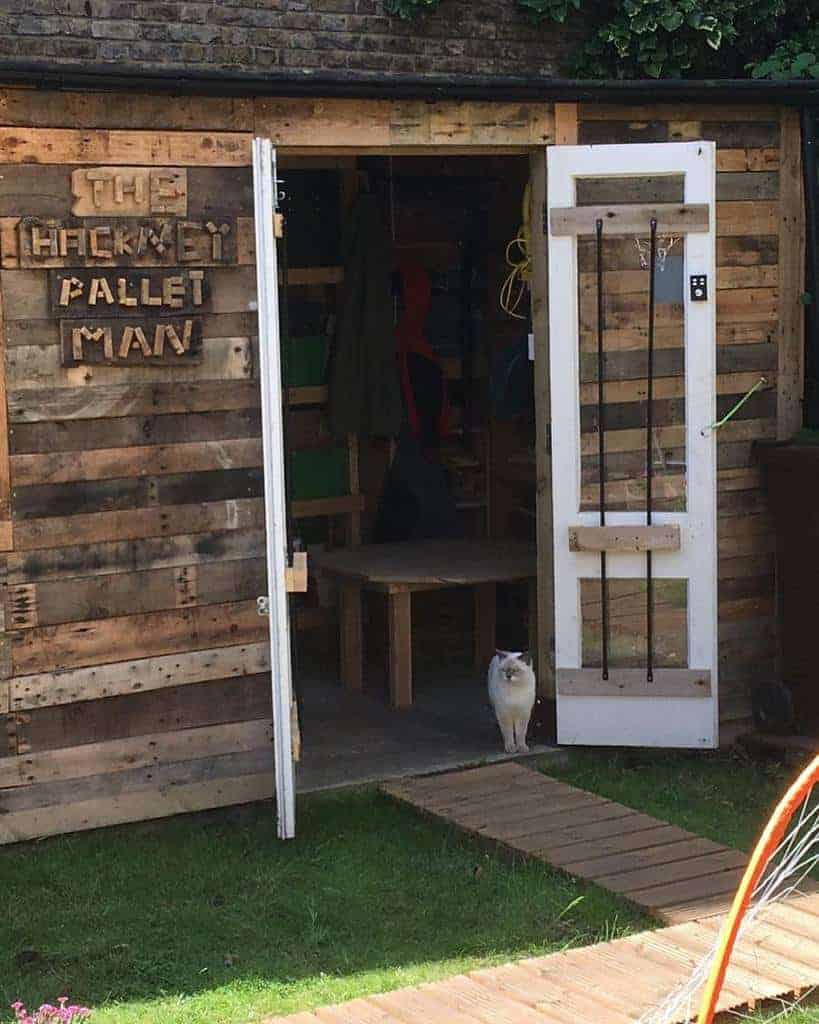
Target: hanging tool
pixel 601 451
pixel 649 459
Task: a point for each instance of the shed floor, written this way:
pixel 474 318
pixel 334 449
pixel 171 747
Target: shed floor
pixel 350 738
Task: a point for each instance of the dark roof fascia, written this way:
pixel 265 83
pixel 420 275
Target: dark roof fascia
pixel 364 85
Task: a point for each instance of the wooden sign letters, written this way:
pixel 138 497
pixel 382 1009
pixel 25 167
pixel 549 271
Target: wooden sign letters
pixel 128 317
pixel 127 267
pixel 124 242
pixel 150 341
pixel 129 191
pixel 80 293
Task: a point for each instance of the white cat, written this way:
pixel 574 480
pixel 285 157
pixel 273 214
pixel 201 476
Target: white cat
pixel 512 693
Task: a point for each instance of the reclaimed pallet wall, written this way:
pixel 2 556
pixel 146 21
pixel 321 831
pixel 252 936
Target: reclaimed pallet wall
pixel 136 660
pixel 750 340
pixel 133 666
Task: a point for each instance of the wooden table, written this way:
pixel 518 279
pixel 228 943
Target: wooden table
pixel 400 570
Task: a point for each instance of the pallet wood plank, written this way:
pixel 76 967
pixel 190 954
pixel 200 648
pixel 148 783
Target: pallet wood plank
pixel 99 597
pixel 617 864
pixel 38 405
pixel 141 751
pixel 41 108
pixel 791 347
pixel 135 524
pixel 96 642
pixel 694 867
pixel 6 532
pixel 144 460
pixel 138 676
pixel 629 219
pixel 628 682
pixel 624 538
pixel 120 146
pixel 142 805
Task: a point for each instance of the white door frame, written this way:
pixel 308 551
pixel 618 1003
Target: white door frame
pixel 643 719
pixel 267 285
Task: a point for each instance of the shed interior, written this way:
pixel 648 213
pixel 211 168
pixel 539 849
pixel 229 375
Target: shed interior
pixel 450 222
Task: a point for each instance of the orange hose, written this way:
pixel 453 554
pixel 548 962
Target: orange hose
pixel 766 847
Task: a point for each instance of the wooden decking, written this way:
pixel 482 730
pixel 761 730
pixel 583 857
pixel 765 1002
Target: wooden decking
pixel 611 983
pixel 668 872
pixel 677 877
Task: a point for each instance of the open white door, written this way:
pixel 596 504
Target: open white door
pixel 265 203
pixel 635 656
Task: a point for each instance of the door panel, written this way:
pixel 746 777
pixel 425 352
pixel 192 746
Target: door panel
pixel 270 373
pixel 656 481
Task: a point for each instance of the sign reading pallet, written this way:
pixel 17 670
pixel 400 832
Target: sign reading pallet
pixel 90 292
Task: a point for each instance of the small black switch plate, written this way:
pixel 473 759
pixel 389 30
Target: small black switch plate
pixel 699 287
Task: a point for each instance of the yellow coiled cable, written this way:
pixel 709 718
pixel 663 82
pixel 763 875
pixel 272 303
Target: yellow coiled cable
pixel 519 262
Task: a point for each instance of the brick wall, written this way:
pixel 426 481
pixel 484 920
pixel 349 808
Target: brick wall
pixel 463 37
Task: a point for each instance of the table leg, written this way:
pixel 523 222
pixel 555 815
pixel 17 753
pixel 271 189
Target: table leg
pixel 351 637
pixel 400 649
pixel 485 625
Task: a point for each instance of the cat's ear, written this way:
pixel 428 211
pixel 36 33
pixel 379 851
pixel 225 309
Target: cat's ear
pixel 499 653
pixel 527 659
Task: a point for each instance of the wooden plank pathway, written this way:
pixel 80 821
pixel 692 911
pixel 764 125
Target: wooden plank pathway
pixel 669 873
pixel 682 879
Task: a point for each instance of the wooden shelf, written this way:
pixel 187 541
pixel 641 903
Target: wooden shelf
pixel 314 275
pixel 314 395
pixel 338 506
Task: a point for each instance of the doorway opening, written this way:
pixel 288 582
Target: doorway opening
pixel 410 422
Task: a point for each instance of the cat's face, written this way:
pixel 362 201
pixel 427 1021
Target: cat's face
pixel 515 666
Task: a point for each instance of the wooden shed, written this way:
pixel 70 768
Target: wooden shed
pixel 135 666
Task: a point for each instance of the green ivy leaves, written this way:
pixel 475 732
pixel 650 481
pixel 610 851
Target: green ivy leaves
pixel 549 10
pixel 792 58
pixel 632 39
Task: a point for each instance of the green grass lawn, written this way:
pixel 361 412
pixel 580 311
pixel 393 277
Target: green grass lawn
pixel 211 921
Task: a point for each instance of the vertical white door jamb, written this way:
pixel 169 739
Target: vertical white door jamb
pixel 267 285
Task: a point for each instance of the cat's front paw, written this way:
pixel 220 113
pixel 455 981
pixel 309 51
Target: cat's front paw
pixel 510 748
pixel 523 748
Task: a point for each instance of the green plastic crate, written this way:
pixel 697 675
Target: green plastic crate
pixel 306 361
pixel 319 473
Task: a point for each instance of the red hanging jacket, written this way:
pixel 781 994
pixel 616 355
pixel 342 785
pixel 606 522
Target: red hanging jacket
pixel 411 340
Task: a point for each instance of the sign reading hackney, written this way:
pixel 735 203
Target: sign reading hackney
pixel 169 241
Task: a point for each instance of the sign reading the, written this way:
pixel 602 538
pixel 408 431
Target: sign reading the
pixel 129 191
